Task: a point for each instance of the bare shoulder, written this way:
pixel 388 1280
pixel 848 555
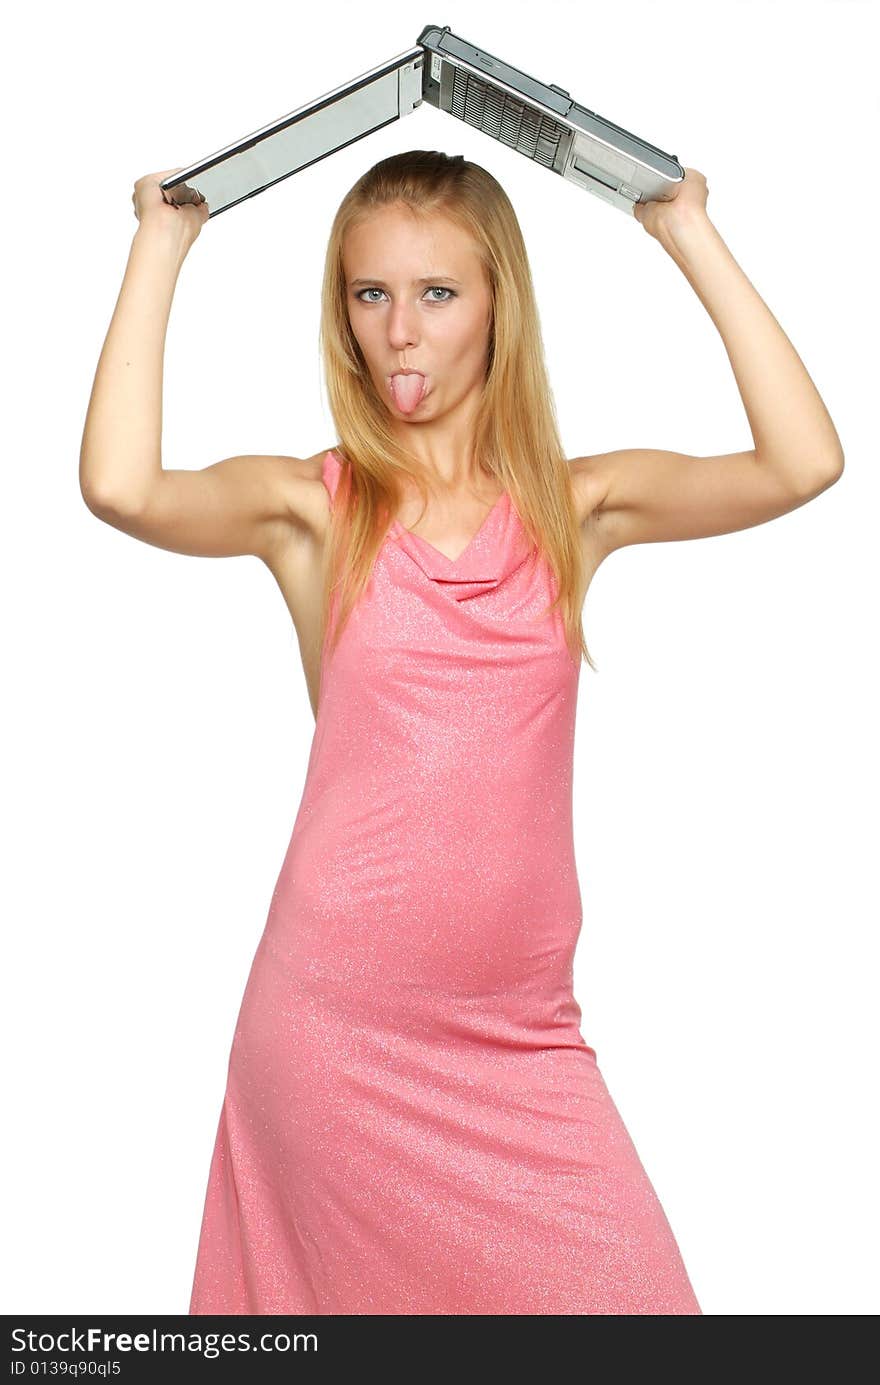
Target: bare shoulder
pixel 590 485
pixel 589 477
pixel 304 508
pixel 305 494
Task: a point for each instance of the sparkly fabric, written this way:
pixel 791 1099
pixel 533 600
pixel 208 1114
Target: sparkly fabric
pixel 413 1122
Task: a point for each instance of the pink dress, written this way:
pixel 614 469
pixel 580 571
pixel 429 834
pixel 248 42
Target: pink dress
pixel 413 1122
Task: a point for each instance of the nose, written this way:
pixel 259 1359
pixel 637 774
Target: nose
pixel 402 326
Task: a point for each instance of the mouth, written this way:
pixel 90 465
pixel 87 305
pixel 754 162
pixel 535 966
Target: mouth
pixel 407 389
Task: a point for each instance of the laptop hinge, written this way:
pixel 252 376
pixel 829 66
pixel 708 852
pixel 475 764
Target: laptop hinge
pixel 409 86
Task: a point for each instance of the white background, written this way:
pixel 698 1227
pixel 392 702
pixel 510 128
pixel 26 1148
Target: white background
pixel 156 724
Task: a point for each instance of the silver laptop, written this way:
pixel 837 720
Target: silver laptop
pixel 540 121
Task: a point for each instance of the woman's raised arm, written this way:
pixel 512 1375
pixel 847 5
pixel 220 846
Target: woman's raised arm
pixel 232 507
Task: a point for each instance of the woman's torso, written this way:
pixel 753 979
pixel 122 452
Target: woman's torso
pixel 295 561
pixel 433 849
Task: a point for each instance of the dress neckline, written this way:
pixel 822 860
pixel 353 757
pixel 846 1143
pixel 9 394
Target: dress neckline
pixel 480 533
pixel 490 556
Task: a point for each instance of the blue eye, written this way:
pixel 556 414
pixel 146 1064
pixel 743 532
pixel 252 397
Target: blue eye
pixel 435 288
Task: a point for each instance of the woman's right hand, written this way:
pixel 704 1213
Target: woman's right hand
pixel 153 212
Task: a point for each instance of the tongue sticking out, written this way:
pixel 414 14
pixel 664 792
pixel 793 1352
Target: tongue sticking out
pixel 407 391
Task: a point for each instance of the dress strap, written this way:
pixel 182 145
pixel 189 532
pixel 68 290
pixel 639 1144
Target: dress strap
pixel 331 469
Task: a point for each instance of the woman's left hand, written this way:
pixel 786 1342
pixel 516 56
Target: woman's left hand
pixel 682 203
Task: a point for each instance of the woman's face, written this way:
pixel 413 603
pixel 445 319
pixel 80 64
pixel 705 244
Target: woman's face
pixel 418 298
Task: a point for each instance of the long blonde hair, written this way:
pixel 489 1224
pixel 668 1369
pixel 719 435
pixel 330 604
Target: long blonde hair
pixel 516 435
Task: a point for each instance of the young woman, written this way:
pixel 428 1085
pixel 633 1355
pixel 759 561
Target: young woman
pixel 413 1122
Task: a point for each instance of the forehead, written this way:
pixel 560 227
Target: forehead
pixel 396 238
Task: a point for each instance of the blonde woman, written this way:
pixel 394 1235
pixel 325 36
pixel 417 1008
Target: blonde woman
pixel 413 1122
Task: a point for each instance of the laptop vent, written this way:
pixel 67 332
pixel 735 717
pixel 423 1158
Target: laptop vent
pixel 500 115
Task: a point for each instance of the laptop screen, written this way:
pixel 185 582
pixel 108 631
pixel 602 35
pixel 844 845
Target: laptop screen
pixel 305 135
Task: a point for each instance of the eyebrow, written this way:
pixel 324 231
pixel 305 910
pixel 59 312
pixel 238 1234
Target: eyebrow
pixel 432 279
